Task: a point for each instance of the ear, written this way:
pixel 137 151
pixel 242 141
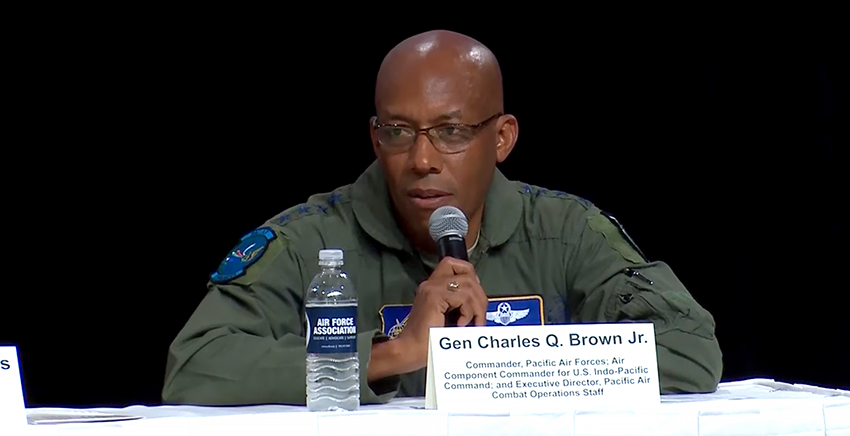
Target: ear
pixel 373 134
pixel 506 136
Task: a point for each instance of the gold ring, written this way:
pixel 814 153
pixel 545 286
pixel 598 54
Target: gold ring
pixel 453 286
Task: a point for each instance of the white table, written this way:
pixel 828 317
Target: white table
pixel 751 407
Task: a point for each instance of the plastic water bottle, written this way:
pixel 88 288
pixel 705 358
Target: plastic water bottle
pixel 333 368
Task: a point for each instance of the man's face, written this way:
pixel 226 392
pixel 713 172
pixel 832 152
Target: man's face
pixel 422 178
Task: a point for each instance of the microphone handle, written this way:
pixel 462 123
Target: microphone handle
pixel 452 246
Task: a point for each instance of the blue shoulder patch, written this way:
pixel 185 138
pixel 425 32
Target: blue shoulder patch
pixel 249 250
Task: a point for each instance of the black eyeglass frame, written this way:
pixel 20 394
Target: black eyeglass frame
pixel 429 132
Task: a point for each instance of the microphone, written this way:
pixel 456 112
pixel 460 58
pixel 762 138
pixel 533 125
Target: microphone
pixel 448 227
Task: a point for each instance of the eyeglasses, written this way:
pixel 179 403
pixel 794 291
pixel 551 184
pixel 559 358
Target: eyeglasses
pixel 447 138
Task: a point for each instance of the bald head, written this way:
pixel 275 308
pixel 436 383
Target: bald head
pixel 439 81
pixel 437 63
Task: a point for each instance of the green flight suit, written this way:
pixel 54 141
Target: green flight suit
pixel 245 342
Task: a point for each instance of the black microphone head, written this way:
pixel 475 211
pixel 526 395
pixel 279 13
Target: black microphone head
pixel 447 220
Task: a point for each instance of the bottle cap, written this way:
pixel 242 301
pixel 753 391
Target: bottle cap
pixel 332 255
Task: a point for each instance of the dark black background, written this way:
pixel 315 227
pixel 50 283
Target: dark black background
pixel 149 152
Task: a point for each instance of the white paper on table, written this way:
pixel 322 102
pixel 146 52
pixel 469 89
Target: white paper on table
pixel 65 416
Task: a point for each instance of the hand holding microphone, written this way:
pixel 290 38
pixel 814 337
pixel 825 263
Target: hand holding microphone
pixel 452 295
pixel 448 227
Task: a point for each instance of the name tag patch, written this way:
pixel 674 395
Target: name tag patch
pixel 501 311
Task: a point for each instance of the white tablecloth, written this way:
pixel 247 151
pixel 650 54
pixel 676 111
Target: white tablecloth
pixel 752 407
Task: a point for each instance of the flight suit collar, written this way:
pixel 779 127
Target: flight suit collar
pixel 502 211
pixel 374 210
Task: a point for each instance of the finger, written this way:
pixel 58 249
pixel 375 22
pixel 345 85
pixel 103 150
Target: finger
pixel 481 308
pixel 450 266
pixel 479 301
pixel 472 286
pixel 470 301
pixel 466 293
pixel 481 315
pixel 467 314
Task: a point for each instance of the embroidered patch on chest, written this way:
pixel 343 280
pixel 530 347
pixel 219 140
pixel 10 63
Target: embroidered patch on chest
pixel 501 311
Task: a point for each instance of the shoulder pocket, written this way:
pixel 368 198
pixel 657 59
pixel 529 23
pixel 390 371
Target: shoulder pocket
pixel 649 296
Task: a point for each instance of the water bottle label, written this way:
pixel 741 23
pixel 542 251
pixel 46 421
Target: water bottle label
pixel 332 329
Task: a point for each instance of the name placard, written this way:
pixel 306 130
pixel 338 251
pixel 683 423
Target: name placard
pixel 538 368
pixel 13 413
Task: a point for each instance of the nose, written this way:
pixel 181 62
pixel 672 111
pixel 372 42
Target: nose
pixel 424 157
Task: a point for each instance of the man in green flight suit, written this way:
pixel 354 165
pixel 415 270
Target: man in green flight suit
pixel 438 134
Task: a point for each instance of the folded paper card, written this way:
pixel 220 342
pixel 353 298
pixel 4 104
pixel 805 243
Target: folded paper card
pixel 542 368
pixel 12 410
